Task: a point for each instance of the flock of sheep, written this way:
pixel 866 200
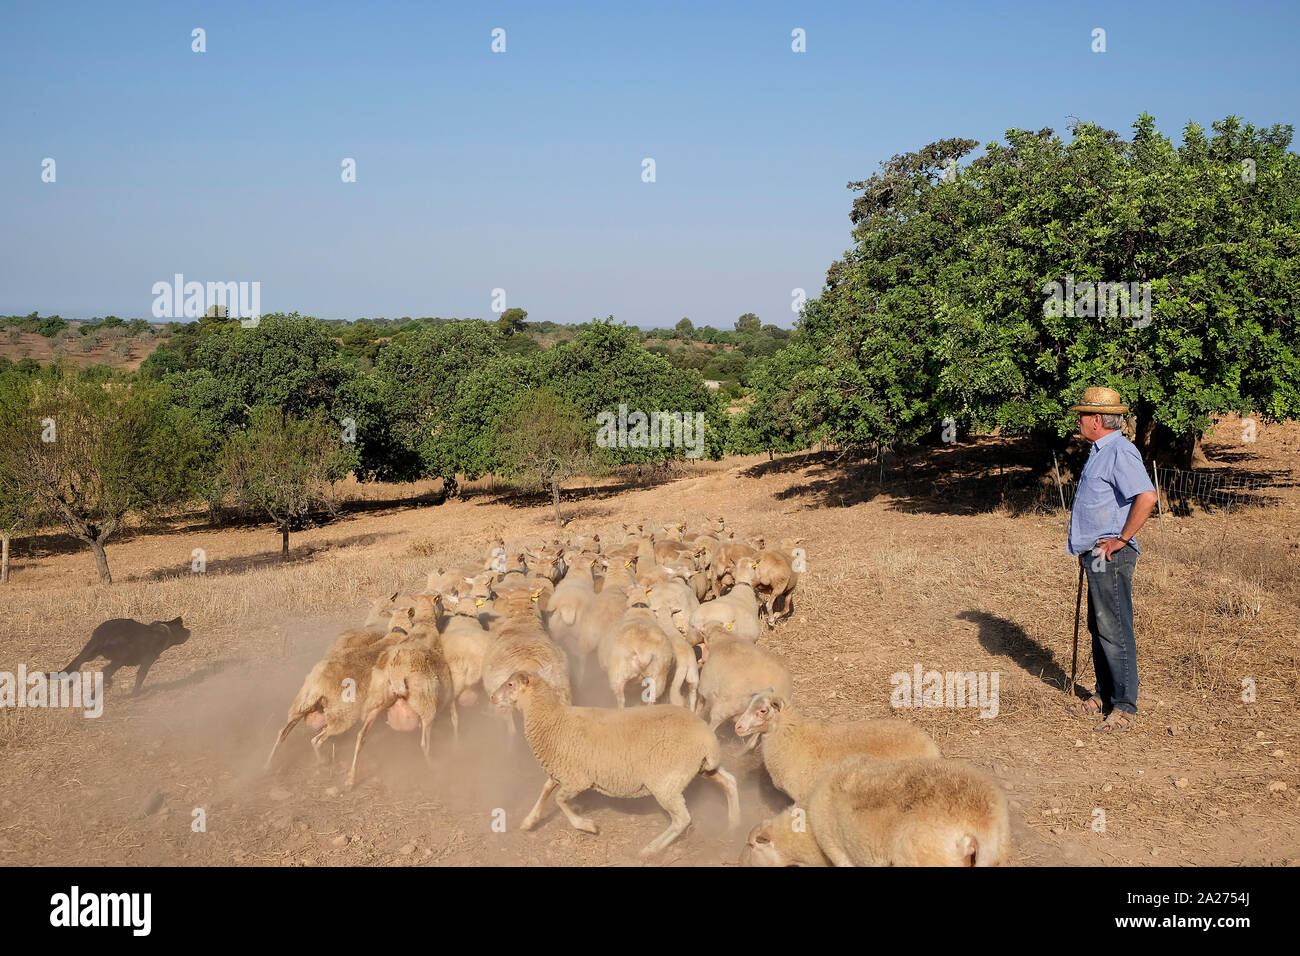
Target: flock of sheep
pixel 679 614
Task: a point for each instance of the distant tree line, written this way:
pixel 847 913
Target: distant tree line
pixel 271 417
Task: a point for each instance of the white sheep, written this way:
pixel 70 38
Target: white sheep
pixel 864 811
pixel 519 642
pixel 796 749
pixel 570 600
pixel 331 696
pixel 783 840
pixel 642 751
pixel 733 673
pixel 602 614
pixel 411 683
pixel 638 649
pixel 736 612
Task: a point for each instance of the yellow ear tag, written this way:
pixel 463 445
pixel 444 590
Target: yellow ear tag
pixel 537 594
pixel 627 564
pixel 479 602
pixel 649 590
pixel 729 625
pixel 754 565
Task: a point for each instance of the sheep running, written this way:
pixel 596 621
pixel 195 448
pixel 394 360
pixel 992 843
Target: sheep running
pixel 643 601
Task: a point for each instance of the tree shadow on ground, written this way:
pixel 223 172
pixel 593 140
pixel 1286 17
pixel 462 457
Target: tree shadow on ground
pixel 525 498
pixel 249 562
pixel 51 542
pixel 978 475
pixel 427 499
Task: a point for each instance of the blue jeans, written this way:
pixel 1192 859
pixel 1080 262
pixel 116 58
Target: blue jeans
pixel 1110 622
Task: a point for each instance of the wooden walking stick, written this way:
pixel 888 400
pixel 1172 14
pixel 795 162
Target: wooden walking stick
pixel 1078 607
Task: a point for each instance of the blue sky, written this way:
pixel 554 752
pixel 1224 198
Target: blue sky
pixel 522 170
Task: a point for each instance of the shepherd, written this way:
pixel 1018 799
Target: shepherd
pixel 1114 499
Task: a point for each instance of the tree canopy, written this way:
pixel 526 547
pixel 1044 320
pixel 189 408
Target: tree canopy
pixel 941 307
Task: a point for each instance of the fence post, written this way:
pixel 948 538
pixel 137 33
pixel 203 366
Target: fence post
pixel 1059 490
pixel 1160 508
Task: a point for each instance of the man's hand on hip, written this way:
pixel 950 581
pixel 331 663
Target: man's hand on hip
pixel 1108 546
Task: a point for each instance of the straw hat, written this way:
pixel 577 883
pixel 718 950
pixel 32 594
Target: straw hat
pixel 1104 400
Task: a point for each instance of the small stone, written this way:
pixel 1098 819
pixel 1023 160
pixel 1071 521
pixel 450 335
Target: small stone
pixel 1056 810
pixel 1259 733
pixel 1173 731
pixel 1155 851
pixel 1078 743
pixel 1107 787
pixel 340 840
pixel 279 793
pixel 331 791
pixel 407 850
pixel 1277 786
pixel 154 804
pixel 1279 753
pixel 1181 783
pixel 1131 806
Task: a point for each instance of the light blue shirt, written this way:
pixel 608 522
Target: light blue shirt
pixel 1112 478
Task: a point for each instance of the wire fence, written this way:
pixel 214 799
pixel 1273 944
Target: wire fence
pixel 1178 488
pixel 1209 488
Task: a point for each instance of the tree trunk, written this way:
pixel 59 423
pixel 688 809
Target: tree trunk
pixel 1145 432
pixel 4 557
pixel 101 560
pixel 450 487
pixel 555 500
pixel 284 541
pixel 1157 442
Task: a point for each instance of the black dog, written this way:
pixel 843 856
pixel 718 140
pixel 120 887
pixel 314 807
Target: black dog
pixel 128 643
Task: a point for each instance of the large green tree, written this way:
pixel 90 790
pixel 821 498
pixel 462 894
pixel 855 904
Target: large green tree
pixel 418 377
pixel 941 306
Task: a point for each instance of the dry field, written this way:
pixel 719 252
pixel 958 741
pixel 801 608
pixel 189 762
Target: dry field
pixel 17 345
pixel 924 573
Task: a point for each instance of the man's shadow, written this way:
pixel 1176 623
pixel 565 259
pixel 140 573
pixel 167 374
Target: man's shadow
pixel 1006 638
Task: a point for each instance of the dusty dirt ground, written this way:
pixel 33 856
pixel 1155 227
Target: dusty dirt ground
pixel 935 571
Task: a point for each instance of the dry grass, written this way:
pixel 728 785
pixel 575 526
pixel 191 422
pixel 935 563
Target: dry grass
pixel 893 580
